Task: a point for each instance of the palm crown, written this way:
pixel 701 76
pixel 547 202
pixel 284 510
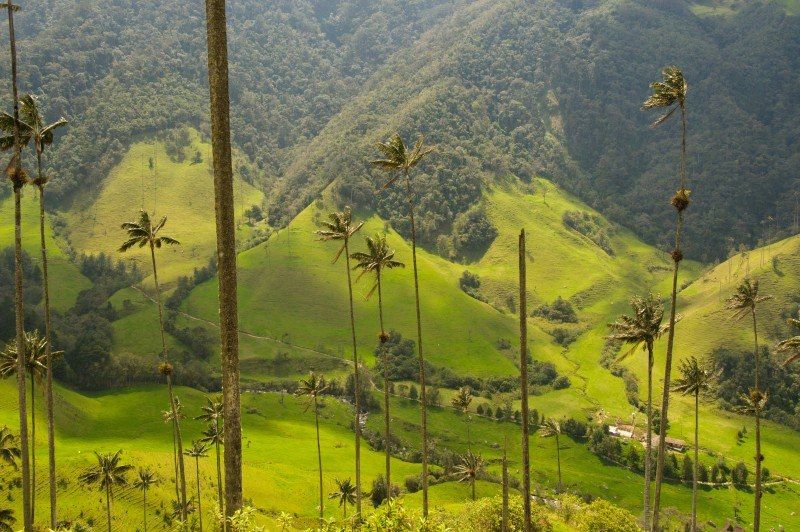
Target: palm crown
pixel 377 258
pixel 6 520
pixel 9 452
pixel 144 479
pixel 470 467
pixel 643 327
pixel 550 427
pixel 695 378
pixel 212 411
pixel 143 233
pixel 754 402
pixel 346 493
pixel 35 357
pixel 791 346
pixel 314 386
pixel 399 157
pixel 670 92
pixel 108 472
pixel 745 299
pixel 339 227
pixel 197 450
pixel 462 399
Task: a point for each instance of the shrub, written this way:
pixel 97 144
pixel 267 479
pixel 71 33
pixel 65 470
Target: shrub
pixel 413 484
pixel 602 516
pixel 560 311
pixel 487 514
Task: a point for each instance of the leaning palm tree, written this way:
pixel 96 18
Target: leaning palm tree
pixel 217 42
pixel 143 233
pixel 461 401
pixel 18 179
pixel 9 452
pixel 32 127
pixel 670 94
pixel 107 474
pixel 145 479
pixel 694 380
pixel 197 451
pixel 345 494
pixel 213 435
pixel 743 303
pixel 552 427
pixel 6 520
pixel 468 470
pixel 312 388
pixel 642 328
pixel 340 228
pixel 380 257
pixel 398 159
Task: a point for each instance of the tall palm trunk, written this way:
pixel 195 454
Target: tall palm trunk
pixel 472 483
pixel 386 419
pixel 199 503
pixel 176 424
pixel 108 506
pixel 523 382
pixel 217 37
pixel 696 458
pixel 144 507
pixel 558 461
pixel 220 495
pixel 758 494
pixel 33 448
pixel 319 463
pixel 504 514
pixel 48 386
pixel 356 378
pixel 19 309
pixel 422 392
pixel 677 256
pixel 648 457
pixel 175 461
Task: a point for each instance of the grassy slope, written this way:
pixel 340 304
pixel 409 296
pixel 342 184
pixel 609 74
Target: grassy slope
pixel 69 280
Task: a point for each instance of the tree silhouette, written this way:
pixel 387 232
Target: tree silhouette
pixel 468 470
pixel 107 474
pixel 552 427
pixel 345 494
pixel 144 480
pixel 9 451
pixel 213 435
pixel 198 451
pixel 312 388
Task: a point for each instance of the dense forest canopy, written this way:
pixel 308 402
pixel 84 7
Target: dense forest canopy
pixel 508 89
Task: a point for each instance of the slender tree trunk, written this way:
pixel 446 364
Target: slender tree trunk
pixel 108 506
pixel 696 459
pixel 648 457
pixel 319 463
pixel 199 502
pixel 226 248
pixel 422 391
pixel 178 440
pixel 19 309
pixel 51 425
pixel 356 378
pixel 144 506
pixel 220 495
pixel 523 382
pixel 504 515
pixel 175 459
pixel 758 494
pixel 472 482
pixel 33 448
pixel 558 461
pixel 386 418
pixel 677 257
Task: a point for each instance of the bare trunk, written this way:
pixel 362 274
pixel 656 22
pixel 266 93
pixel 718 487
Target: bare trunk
pixel 19 309
pixel 648 457
pixel 504 515
pixel 216 27
pixel 386 418
pixel 356 379
pixel 199 503
pixel 696 459
pixel 523 382
pixel 670 335
pixel 108 506
pixel 144 506
pixel 422 391
pixel 176 423
pixel 558 461
pixel 758 493
pixel 221 501
pixel 48 390
pixel 319 463
pixel 33 449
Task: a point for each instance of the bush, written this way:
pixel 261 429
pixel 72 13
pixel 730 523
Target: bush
pixel 413 484
pixel 563 337
pixel 575 429
pixel 561 382
pixel 486 515
pixel 739 474
pixel 560 311
pixel 380 490
pixel 602 516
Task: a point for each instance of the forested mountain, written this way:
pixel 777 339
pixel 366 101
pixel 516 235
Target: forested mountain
pixel 506 89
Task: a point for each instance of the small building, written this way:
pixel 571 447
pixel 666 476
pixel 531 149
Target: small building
pixel 673 444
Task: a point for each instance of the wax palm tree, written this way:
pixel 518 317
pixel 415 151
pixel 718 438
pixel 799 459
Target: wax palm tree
pixel 217 42
pixel 340 228
pixel 9 451
pixel 641 329
pixel 524 360
pixel 32 127
pixel 144 233
pixel 213 435
pixel 669 94
pixel 107 474
pixel 18 179
pixel 378 258
pixel 169 417
pixel 791 346
pixel 461 401
pixel 6 520
pixel 694 380
pixel 197 451
pixel 468 470
pixel 552 427
pixel 145 479
pixel 345 494
pixel 312 388
pixel 399 160
pixel 743 304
